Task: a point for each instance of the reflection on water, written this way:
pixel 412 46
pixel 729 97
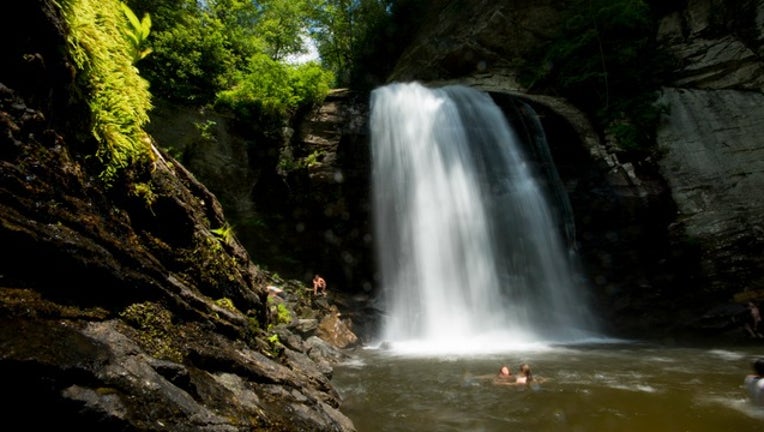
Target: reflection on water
pixel 624 387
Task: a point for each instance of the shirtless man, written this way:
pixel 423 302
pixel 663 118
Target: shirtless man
pixel 319 284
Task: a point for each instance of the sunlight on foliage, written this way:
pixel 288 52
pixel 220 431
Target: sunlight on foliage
pixel 224 233
pixel 145 192
pixel 119 98
pixel 283 315
pixel 271 88
pixel 137 33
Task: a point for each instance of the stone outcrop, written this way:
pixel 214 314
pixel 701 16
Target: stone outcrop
pixel 119 312
pixel 713 155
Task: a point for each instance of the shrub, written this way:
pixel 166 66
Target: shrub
pixel 273 89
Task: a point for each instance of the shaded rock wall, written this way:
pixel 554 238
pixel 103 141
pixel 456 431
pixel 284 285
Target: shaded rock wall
pixel 711 138
pixel 296 194
pixel 119 312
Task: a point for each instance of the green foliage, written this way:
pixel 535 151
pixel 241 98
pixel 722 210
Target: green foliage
pixel 276 347
pixel 282 314
pixel 339 29
pixel 118 97
pixel 605 61
pixel 240 20
pixel 207 130
pixel 214 47
pixel 224 233
pixel 203 48
pixel 137 33
pixel 191 61
pixel 145 192
pixel 288 163
pixel 282 24
pixel 273 89
pixel 226 303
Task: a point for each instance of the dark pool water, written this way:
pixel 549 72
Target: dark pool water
pixel 600 387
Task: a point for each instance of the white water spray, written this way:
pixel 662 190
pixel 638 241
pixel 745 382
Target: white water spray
pixel 470 256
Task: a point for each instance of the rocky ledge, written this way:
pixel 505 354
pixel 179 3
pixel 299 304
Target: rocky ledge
pixel 122 311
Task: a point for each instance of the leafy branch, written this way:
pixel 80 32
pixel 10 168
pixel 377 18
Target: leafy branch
pixel 137 33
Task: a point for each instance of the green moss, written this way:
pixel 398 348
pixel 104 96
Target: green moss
pixel 119 99
pixel 155 329
pixel 145 192
pixel 226 303
pixel 276 347
pixel 216 262
pixel 282 314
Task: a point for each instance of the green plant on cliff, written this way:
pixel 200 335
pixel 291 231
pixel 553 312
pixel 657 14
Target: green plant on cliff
pixel 118 96
pixel 268 88
pixel 144 191
pixel 224 233
pixel 276 347
pixel 226 303
pixel 217 266
pixel 156 329
pixel 605 60
pixel 137 33
pixel 279 311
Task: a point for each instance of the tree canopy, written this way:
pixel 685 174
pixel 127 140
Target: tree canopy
pixel 239 52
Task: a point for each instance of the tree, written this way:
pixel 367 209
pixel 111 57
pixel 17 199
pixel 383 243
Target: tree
pixel 338 28
pixel 282 25
pixel 192 56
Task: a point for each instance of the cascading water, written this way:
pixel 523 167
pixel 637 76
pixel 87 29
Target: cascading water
pixel 471 258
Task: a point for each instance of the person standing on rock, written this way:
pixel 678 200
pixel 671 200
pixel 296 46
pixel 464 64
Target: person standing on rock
pixel 754 321
pixel 319 284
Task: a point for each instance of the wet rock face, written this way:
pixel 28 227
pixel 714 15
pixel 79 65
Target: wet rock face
pixel 320 211
pixel 118 313
pixel 709 139
pixel 482 38
pixel 714 164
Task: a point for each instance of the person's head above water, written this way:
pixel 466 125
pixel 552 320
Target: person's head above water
pixel 504 371
pixel 758 366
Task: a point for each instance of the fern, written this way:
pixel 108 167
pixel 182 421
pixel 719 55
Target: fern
pixel 119 98
pixel 137 33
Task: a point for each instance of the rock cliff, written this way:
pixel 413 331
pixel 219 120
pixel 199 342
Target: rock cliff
pixel 667 235
pixel 134 312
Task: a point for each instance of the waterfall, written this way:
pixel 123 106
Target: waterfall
pixel 471 258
